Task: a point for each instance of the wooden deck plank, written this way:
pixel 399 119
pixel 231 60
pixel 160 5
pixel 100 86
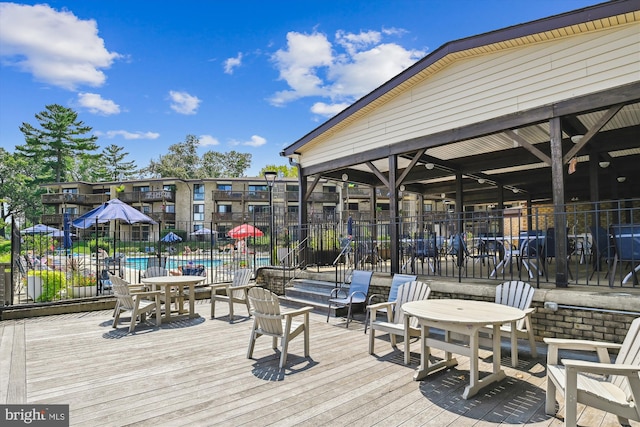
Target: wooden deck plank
pixel 195 372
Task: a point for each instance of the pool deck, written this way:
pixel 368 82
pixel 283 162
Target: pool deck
pixel 195 373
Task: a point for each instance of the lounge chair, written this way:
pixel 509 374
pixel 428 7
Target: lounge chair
pixel 269 320
pixel 611 387
pixel 395 323
pixel 234 292
pixel 357 293
pixel 398 279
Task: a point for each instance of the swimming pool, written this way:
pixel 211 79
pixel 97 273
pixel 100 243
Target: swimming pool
pixel 140 263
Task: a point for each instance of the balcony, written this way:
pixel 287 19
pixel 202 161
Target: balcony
pixel 54 220
pixel 148 196
pixel 162 216
pixel 74 199
pixel 292 196
pixel 248 196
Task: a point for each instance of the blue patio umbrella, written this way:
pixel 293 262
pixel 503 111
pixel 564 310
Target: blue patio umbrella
pixel 171 237
pixel 112 210
pixel 66 241
pixel 39 229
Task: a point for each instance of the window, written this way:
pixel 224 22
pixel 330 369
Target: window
pixel 224 208
pixel 198 212
pixel 253 189
pixel 141 188
pixel 70 190
pixel 223 187
pixel 292 188
pixel 258 208
pixel 170 208
pixel 198 191
pixel 70 211
pixel 329 189
pixel 292 209
pixel 145 210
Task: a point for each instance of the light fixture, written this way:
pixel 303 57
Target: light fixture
pixel 515 190
pixel 621 178
pixel 576 138
pixel 402 187
pixel 345 177
pixel 270 177
pixel 604 164
pixel 481 180
pixel 429 166
pixel 442 196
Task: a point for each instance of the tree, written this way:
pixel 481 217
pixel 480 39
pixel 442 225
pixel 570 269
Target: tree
pixel 116 167
pixel 20 195
pixel 183 161
pixel 59 140
pixel 282 170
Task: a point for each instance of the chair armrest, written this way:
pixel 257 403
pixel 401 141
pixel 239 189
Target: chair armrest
pixel 147 294
pixel 374 296
pixel 601 368
pixel 601 348
pixel 571 344
pixel 378 306
pixel 298 311
pixel 336 291
pixel 357 293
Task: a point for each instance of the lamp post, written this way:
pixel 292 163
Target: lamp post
pixel 270 178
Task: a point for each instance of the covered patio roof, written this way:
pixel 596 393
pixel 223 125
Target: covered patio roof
pixel 490 151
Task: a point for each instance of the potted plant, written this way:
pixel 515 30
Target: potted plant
pixel 45 285
pixel 83 285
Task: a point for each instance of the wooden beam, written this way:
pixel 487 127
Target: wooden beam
pixel 380 175
pixel 529 147
pixel 592 132
pixel 411 165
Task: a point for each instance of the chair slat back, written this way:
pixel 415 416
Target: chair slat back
pixel 399 279
pixel 629 354
pixel 412 291
pixel 156 272
pixel 122 293
pixel 627 241
pixel 360 281
pixel 241 277
pixel 516 294
pixel 266 310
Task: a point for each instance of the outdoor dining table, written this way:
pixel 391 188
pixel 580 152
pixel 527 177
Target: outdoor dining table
pixel 464 317
pixel 179 282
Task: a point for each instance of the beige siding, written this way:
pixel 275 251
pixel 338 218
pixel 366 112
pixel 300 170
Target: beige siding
pixel 491 85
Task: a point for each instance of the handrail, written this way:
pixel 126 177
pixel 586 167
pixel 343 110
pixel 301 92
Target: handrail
pixel 293 254
pixel 344 252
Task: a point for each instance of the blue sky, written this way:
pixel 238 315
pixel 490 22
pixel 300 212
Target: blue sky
pixel 250 76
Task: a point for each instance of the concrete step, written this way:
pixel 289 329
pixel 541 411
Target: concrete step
pixel 314 293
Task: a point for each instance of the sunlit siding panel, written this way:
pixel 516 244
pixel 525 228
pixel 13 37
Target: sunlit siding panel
pixel 490 85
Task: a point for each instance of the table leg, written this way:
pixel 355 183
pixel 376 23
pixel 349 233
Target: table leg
pixel 514 343
pixel 498 374
pixel 192 301
pixel 423 369
pixel 167 303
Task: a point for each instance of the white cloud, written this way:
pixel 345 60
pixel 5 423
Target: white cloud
pixel 128 135
pixel 342 71
pixel 183 103
pixel 54 46
pixel 328 110
pixel 298 66
pixel 232 63
pixel 208 140
pixel 255 141
pixel 98 105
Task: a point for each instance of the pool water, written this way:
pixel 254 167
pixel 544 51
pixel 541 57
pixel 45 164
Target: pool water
pixel 140 263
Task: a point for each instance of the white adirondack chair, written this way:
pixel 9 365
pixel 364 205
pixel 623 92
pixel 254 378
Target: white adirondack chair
pixel 519 295
pixel 398 279
pixel 136 304
pixel 395 323
pixel 615 389
pixel 234 292
pixel 269 320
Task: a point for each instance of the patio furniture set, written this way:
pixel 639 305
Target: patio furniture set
pixel 410 313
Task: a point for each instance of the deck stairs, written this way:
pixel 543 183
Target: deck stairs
pixel 302 292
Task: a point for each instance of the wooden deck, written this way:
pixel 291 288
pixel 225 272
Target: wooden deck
pixel 195 373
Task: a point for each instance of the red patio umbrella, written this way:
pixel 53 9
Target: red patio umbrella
pixel 245 230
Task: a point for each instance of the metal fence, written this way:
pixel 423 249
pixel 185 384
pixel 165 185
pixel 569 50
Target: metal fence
pixel 602 248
